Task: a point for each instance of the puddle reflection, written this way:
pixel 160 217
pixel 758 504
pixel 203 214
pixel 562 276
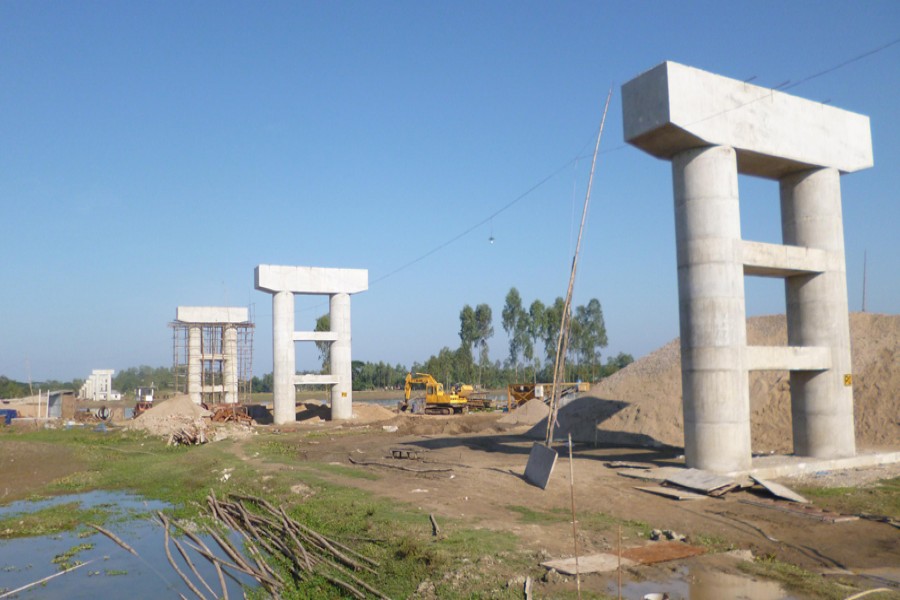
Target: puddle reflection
pixel 113 571
pixel 701 583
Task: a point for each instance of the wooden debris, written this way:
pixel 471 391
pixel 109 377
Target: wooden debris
pixel 369 463
pixel 659 474
pixel 44 580
pixel 671 492
pixel 114 538
pixel 309 553
pixel 435 530
pixel 624 464
pixel 702 481
pixel 780 491
pixel 188 436
pixel 406 453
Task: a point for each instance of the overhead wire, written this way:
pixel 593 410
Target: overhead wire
pixel 783 86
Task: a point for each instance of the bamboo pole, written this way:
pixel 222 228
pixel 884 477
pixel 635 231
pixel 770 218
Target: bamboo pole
pixel 562 342
pixel 574 522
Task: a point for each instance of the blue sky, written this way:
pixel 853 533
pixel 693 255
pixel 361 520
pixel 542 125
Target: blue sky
pixel 153 153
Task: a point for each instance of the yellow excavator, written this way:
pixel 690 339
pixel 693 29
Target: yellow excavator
pixel 437 402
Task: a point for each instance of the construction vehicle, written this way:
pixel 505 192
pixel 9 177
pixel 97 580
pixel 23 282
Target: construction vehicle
pixel 143 400
pixel 518 394
pixel 436 400
pixel 476 399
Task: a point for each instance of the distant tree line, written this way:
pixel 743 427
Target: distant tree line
pixel 532 335
pixel 127 380
pixel 10 388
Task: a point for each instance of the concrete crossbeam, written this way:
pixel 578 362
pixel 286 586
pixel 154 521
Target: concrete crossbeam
pixel 315 379
pixel 311 280
pixel 788 358
pixel 672 108
pixel 212 315
pixel 775 260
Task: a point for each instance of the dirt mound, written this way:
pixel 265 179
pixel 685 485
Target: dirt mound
pixel 371 413
pixel 642 403
pixel 170 416
pixel 450 425
pixel 530 413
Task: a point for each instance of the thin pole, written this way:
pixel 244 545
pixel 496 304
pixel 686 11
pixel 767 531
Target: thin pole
pixel 562 342
pixel 864 281
pixel 619 562
pixel 574 522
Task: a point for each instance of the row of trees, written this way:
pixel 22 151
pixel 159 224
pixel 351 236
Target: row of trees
pixel 532 335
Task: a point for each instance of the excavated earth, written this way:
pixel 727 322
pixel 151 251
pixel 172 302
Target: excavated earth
pixel 641 404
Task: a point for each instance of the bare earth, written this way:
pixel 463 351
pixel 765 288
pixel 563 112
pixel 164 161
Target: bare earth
pixel 641 404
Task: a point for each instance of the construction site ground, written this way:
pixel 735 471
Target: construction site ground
pixel 486 489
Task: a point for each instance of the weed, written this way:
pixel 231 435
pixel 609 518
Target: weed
pixel 54 519
pixel 793 578
pixel 65 560
pixel 881 498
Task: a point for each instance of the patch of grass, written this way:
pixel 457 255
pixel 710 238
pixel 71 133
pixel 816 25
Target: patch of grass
pixel 588 521
pixel 712 542
pixel 66 560
pixel 882 498
pixel 54 519
pixel 794 578
pixel 343 471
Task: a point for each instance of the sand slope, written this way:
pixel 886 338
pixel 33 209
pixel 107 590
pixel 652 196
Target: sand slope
pixel 642 403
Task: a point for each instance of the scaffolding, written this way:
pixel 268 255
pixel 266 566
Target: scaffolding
pixel 212 359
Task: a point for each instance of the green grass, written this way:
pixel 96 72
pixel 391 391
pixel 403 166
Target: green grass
pixel 796 579
pixel 882 498
pixel 463 562
pixel 51 520
pixel 587 521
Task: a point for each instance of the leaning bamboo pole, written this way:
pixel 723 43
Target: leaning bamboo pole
pixel 562 342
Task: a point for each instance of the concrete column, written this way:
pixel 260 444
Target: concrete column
pixel 711 299
pixel 341 363
pixel 229 366
pixel 818 315
pixel 285 362
pixel 195 365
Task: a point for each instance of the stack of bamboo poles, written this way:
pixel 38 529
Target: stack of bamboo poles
pixel 267 529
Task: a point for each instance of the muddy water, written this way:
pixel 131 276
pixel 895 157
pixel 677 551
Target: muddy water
pixel 112 572
pixel 698 583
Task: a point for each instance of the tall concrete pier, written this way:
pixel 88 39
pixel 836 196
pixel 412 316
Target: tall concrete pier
pixel 711 128
pixel 207 338
pixel 283 282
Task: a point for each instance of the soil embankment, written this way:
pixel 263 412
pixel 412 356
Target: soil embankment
pixel 641 404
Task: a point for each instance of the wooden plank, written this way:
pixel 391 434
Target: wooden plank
pixel 660 474
pixel 780 491
pixel 593 563
pixel 703 481
pixel 675 493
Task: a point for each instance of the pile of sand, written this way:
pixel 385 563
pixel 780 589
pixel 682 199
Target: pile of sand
pixel 170 416
pixel 530 413
pixel 314 412
pixel 641 404
pixel 371 413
